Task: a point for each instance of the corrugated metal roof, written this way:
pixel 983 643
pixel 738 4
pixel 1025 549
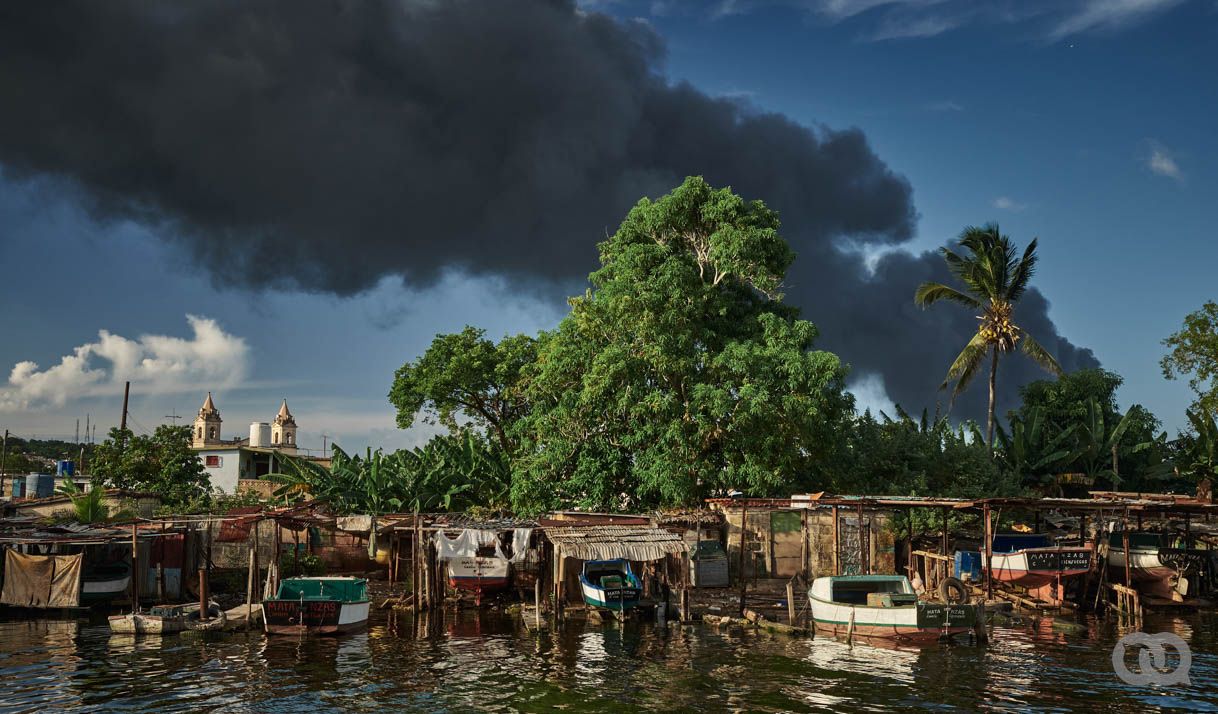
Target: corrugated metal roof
pixel 638 543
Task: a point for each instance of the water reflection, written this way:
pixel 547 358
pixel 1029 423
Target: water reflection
pixel 488 661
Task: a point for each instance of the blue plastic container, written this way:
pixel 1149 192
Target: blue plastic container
pixel 65 467
pixel 18 487
pixel 968 565
pixel 40 485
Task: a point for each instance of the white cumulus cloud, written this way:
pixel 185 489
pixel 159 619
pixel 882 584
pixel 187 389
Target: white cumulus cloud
pixel 1006 203
pixel 210 358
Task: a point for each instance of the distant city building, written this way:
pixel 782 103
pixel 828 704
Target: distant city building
pixel 229 462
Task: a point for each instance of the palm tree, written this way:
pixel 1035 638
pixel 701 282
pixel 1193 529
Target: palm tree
pixel 994 279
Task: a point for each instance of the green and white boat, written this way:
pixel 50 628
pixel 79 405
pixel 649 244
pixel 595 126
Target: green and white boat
pixel 328 606
pixel 610 584
pixel 884 606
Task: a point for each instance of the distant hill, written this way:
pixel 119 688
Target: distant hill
pixel 25 455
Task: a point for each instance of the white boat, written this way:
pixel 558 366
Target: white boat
pixel 478 574
pixel 883 606
pixel 103 583
pixel 1155 570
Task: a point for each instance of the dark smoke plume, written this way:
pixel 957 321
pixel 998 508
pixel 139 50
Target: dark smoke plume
pixel 325 145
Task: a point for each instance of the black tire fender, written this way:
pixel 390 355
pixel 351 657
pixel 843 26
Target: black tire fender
pixel 952 590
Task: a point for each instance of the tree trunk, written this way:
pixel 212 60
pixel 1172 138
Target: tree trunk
pixel 989 422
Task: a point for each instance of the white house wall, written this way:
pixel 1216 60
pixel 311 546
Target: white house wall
pixel 226 475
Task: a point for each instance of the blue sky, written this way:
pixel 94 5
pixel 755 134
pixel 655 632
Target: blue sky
pixel 1088 125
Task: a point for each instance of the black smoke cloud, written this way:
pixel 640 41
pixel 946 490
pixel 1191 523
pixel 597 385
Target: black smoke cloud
pixel 326 145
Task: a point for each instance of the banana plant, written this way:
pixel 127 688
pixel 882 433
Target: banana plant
pixel 1098 446
pixel 1026 452
pixel 1200 458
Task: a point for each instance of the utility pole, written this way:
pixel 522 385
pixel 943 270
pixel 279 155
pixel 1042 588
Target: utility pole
pixel 78 431
pixel 174 417
pixel 324 437
pixel 126 394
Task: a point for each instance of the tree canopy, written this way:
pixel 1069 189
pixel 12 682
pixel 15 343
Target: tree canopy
pixel 679 373
pixel 162 463
pixel 464 375
pixel 1194 353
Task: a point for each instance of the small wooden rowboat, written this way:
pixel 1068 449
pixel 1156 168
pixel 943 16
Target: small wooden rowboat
pixel 164 620
pixel 884 606
pixel 328 606
pixel 1033 562
pixel 610 584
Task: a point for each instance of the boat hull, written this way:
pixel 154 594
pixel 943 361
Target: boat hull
pixel 478 574
pixel 97 591
pixel 922 622
pixel 1037 567
pixel 619 599
pixel 314 617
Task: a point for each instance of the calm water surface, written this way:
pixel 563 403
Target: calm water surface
pixel 488 662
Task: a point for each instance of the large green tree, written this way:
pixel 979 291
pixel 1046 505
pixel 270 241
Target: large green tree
pixel 162 463
pixel 994 277
pixel 464 376
pixel 679 373
pixel 1194 353
pixel 1082 405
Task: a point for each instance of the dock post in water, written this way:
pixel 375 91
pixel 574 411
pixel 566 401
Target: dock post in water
pixel 837 566
pixel 791 602
pixel 989 552
pixel 744 524
pixel 135 562
pixel 249 579
pixel 202 594
pixel 537 603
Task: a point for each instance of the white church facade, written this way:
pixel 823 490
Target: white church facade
pixel 229 462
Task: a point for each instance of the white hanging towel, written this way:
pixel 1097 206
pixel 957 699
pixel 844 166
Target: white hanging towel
pixel 466 544
pixel 520 543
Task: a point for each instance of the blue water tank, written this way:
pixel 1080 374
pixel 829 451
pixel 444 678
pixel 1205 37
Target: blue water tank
pixel 18 487
pixel 65 467
pixel 40 485
pixel 968 565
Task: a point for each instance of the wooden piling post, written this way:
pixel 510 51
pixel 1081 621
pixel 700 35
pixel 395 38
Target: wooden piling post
pixel 135 571
pixel 1125 545
pixel 744 524
pixel 537 603
pixel 791 603
pixel 203 594
pixel 943 544
pixel 804 546
pixel 837 567
pixel 249 581
pixel 989 552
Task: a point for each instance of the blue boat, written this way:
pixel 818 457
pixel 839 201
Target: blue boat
pixel 610 584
